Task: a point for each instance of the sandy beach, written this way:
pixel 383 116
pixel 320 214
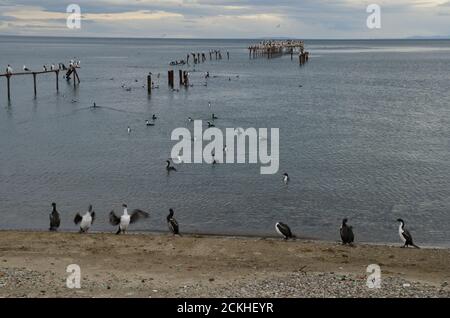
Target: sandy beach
pixel 33 264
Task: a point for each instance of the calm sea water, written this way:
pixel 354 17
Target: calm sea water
pixel 365 137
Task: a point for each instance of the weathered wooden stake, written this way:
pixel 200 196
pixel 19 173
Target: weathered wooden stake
pixel 149 83
pixel 9 87
pixel 34 82
pixel 180 73
pixel 170 78
pixel 57 80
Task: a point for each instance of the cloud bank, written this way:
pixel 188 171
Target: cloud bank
pixel 227 18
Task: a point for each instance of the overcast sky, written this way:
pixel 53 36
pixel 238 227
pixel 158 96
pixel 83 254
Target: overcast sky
pixel 227 18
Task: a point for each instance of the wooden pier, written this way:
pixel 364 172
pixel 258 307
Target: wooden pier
pixel 273 48
pixel 69 72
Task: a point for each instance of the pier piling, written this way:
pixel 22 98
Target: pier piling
pixel 149 84
pixel 34 82
pixel 170 78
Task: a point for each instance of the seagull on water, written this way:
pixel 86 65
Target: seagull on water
pixel 285 178
pixel 86 220
pixel 126 219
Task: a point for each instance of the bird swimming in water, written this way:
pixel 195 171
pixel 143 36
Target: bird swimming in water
pixel 172 223
pixel 154 117
pixel 148 123
pixel 284 230
pixel 126 219
pixel 209 104
pixel 286 178
pixel 86 220
pixel 55 219
pixel 169 167
pixel 405 236
pixel 346 232
pixel 129 129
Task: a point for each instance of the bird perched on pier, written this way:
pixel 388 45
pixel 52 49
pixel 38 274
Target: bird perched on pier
pixel 346 231
pixel 52 67
pixel 405 236
pixel 284 230
pixel 210 124
pixel 214 117
pixel 172 223
pixel 44 68
pixel 126 219
pixel 285 178
pixel 9 69
pixel 169 167
pixel 55 219
pixel 189 119
pixel 86 220
pixel 26 69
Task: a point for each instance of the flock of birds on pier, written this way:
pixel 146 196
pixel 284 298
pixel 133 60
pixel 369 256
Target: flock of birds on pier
pixel 123 221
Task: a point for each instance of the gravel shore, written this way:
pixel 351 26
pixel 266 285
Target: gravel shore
pixel 33 264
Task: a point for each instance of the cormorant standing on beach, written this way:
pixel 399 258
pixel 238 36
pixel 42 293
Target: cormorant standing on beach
pixel 126 219
pixel 346 231
pixel 284 230
pixel 172 223
pixel 55 220
pixel 86 220
pixel 405 236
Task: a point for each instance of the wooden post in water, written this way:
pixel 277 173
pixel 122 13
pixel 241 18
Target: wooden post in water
pixel 170 78
pixel 9 86
pixel 57 80
pixel 180 73
pixel 34 82
pixel 149 84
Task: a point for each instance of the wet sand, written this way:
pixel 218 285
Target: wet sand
pixel 33 264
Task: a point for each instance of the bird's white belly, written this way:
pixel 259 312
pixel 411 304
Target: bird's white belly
pixel 400 232
pixel 124 222
pixel 86 222
pixel 278 231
